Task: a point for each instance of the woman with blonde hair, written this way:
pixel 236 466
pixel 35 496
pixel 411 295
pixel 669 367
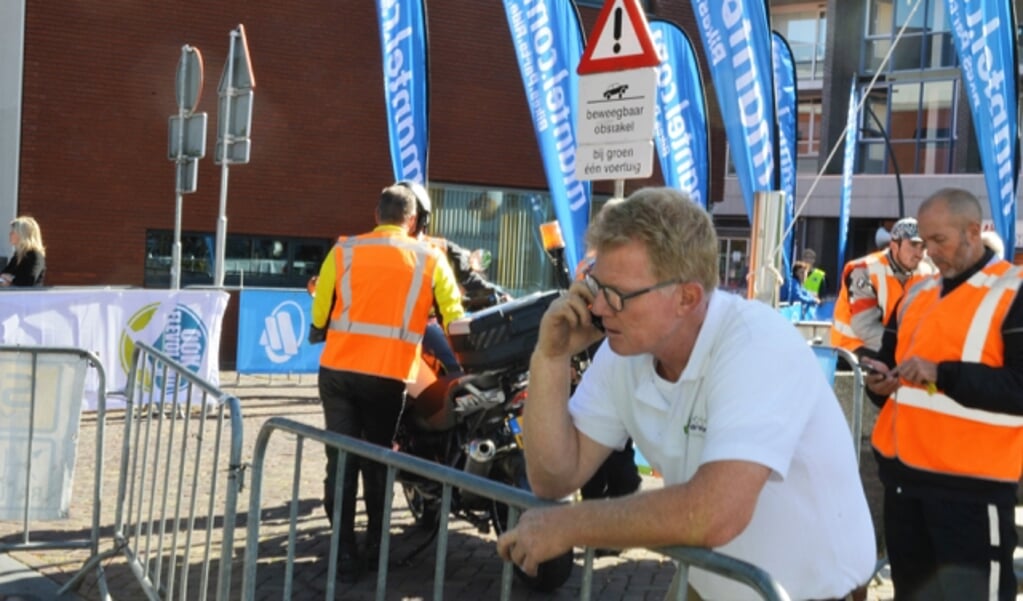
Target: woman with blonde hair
pixel 28 265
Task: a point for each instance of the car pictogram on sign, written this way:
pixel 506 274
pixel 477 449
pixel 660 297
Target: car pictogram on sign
pixel 615 89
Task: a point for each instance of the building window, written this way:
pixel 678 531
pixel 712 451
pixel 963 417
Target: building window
pixel 504 222
pixel 271 261
pixel 926 42
pixel 733 263
pixel 808 128
pixel 805 30
pixel 919 118
pixel 915 99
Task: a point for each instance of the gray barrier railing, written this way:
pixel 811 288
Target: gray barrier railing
pixel 516 500
pixel 827 353
pixel 173 475
pixel 38 391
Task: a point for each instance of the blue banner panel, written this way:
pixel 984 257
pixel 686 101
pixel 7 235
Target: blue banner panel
pixel 406 85
pixel 737 42
pixel 272 328
pixel 786 105
pixel 680 126
pixel 852 137
pixel 548 41
pixel 985 38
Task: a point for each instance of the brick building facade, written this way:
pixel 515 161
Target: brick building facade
pixel 98 88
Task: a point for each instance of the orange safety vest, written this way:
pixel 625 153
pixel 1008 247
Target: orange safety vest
pixel 888 287
pixel 929 431
pixel 384 292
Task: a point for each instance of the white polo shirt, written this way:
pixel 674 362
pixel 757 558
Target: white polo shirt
pixel 752 391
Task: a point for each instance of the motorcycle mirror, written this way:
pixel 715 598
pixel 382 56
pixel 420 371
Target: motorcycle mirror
pixel 480 259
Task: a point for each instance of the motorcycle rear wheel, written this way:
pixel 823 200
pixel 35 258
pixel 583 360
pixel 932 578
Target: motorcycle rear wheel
pixel 550 574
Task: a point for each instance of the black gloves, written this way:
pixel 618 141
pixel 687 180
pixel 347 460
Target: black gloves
pixel 317 335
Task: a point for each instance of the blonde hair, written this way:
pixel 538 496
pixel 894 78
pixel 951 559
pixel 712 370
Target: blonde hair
pixel 677 233
pixel 29 237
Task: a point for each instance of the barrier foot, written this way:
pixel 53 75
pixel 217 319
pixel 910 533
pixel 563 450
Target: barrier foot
pixel 93 562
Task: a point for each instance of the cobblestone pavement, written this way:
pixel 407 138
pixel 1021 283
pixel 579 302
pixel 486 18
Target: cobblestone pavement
pixel 473 568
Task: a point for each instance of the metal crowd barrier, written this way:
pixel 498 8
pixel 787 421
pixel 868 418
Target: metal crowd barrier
pixel 38 391
pixel 178 475
pixel 828 357
pixel 516 499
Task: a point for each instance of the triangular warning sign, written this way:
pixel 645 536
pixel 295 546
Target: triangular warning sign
pixel 620 40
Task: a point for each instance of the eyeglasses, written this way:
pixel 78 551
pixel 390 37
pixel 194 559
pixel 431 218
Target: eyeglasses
pixel 616 299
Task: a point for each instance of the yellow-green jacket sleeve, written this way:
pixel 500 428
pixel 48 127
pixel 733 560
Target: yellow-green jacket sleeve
pixel 325 290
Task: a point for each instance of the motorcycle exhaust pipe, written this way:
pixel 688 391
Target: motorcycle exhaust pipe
pixel 479 458
pixel 481 453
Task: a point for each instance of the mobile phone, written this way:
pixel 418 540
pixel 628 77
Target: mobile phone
pixel 597 322
pixel 869 369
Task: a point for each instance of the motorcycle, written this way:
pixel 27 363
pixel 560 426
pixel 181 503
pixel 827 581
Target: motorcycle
pixel 470 421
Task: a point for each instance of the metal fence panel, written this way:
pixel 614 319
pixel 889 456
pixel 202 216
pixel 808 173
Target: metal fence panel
pixel 41 393
pixel 517 500
pixel 180 469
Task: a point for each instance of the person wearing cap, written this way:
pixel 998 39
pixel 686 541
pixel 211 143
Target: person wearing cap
pixel 812 277
pixel 373 298
pixel 948 440
pixel 872 285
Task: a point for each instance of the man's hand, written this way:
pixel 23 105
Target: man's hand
pixel 534 540
pixel 567 326
pixel 317 335
pixel 881 380
pixel 918 371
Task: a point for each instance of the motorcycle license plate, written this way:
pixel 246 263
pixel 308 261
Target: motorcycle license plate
pixel 516 429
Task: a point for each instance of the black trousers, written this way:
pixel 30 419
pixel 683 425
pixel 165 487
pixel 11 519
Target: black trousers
pixel 366 407
pixel 616 477
pixel 947 549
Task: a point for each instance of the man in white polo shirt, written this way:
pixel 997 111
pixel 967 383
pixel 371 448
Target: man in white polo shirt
pixel 720 394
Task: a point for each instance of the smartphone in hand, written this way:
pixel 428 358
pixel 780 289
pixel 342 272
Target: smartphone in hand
pixel 869 369
pixel 597 322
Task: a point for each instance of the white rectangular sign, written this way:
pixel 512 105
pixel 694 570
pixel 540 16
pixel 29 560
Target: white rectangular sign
pixel 627 160
pixel 617 106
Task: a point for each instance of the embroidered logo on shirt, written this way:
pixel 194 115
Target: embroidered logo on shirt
pixel 696 425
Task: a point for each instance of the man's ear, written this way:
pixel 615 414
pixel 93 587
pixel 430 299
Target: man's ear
pixel 691 294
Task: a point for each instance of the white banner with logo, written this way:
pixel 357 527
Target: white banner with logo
pixel 183 324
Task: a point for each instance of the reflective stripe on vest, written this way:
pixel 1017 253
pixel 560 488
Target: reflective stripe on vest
pixel 876 264
pixel 343 322
pixel 930 431
pixel 878 272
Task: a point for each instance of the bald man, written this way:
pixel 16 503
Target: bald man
pixel 949 438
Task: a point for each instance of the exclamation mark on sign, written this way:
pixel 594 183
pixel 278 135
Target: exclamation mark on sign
pixel 618 30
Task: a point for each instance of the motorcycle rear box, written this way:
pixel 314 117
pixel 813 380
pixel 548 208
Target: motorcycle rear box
pixel 501 336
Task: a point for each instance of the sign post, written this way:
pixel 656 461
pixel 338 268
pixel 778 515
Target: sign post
pixel 234 126
pixel 617 87
pixel 186 143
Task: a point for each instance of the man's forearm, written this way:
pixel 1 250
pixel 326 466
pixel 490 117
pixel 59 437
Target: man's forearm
pixel 709 511
pixel 551 439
